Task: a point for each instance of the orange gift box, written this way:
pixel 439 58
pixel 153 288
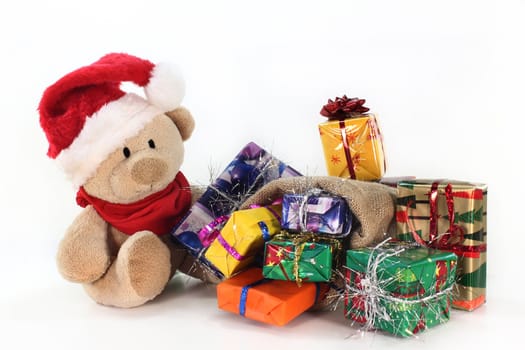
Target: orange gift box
pixel 269 301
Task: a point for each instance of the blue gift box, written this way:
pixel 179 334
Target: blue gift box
pixel 251 169
pixel 316 212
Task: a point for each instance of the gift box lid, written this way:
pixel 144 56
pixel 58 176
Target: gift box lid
pixel 457 184
pixel 357 119
pixel 393 181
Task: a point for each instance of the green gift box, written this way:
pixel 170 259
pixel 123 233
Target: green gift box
pixel 300 258
pixel 399 288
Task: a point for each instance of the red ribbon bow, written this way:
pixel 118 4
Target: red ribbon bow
pixel 343 108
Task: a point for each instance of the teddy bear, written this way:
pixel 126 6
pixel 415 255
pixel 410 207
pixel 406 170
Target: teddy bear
pixel 123 154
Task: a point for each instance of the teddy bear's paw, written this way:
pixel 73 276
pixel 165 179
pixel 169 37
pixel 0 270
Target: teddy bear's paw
pixel 77 264
pixel 144 263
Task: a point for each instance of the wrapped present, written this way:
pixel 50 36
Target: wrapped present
pixel 449 215
pixel 242 238
pixel 352 143
pixel 252 168
pixel 397 288
pixel 301 258
pixel 269 301
pixel 316 212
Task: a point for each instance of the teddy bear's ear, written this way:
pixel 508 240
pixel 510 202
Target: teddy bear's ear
pixel 184 121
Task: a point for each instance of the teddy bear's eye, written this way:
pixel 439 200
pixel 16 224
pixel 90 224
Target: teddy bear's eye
pixel 126 152
pixel 151 144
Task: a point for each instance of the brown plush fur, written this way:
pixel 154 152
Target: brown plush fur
pixel 117 269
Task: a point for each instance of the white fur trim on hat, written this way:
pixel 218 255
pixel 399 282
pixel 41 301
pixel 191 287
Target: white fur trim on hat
pixel 166 87
pixel 103 133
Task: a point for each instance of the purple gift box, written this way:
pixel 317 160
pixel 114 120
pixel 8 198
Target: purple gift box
pixel 317 213
pixel 252 168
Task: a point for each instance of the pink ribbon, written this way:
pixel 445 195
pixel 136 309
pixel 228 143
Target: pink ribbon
pixel 231 250
pixel 209 232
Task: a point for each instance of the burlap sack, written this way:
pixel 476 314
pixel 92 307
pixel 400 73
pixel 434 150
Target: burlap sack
pixel 373 204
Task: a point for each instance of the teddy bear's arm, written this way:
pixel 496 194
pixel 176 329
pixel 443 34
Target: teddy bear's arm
pixel 83 254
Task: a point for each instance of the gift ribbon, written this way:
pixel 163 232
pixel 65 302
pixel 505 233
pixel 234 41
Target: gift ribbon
pixel 297 257
pixel 432 201
pixel 209 232
pixel 246 288
pixel 421 325
pixel 454 231
pixel 299 242
pixel 304 209
pixel 445 240
pixel 244 294
pixel 304 216
pixel 233 252
pixel 367 291
pixel 264 230
pixel 348 156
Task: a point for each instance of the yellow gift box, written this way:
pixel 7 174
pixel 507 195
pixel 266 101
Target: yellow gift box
pixel 353 148
pixel 243 235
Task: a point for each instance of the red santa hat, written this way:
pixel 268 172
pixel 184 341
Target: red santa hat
pixel 86 116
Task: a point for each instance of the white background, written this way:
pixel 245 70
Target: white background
pixel 446 79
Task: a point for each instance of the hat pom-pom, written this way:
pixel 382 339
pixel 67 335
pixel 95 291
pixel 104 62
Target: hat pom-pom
pixel 166 87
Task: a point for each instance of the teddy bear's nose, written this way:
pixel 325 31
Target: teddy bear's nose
pixel 148 170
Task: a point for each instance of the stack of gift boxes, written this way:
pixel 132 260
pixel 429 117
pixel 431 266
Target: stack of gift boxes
pixel 201 230
pixel 277 261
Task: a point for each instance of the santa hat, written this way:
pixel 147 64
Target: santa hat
pixel 86 116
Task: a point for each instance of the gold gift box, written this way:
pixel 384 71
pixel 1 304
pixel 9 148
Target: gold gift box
pixel 353 148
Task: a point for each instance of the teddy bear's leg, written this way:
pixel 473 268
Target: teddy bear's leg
pixel 140 272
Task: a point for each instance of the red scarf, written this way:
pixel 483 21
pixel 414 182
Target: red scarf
pixel 158 213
